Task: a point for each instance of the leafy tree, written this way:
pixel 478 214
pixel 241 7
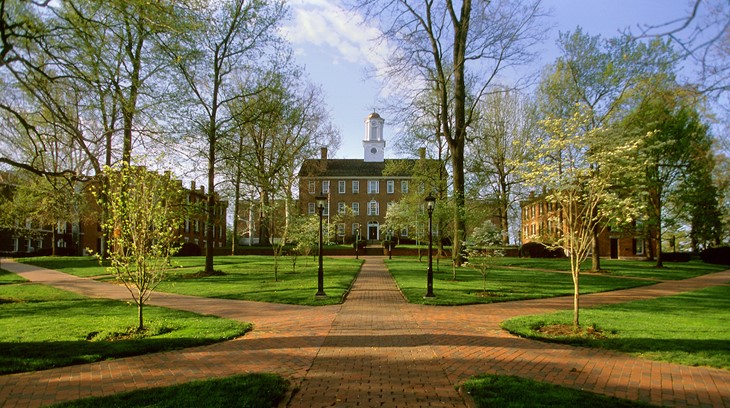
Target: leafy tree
pixel 598 75
pixel 674 151
pixel 566 162
pixel 481 251
pixel 145 215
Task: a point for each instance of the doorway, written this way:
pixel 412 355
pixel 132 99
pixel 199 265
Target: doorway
pixel 614 248
pixel 373 229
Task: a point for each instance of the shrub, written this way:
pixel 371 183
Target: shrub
pixel 539 250
pixel 718 255
pixel 189 249
pixel 677 256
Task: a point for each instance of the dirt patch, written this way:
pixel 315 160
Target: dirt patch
pixel 567 330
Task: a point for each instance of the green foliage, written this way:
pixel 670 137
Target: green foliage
pixel 145 212
pixel 479 251
pixel 516 392
pixel 249 390
pixel 43 327
pixel 690 328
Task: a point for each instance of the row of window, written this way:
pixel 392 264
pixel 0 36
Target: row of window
pixel 196 227
pixel 373 208
pixel 373 186
pixel 356 226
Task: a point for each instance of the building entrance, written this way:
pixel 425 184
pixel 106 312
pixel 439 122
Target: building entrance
pixel 373 231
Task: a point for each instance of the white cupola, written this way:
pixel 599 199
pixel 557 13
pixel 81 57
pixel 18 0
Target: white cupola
pixel 374 145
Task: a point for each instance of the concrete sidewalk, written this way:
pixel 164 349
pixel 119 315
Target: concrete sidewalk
pixel 376 350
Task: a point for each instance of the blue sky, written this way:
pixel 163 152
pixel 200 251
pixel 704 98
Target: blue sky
pixel 337 50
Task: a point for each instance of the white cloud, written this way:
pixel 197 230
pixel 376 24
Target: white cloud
pixel 327 24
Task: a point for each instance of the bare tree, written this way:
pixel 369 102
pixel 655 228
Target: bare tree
pixel 230 37
pixel 455 50
pixel 506 123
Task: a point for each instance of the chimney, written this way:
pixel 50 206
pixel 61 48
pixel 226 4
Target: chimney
pixel 422 153
pixel 192 185
pixel 323 152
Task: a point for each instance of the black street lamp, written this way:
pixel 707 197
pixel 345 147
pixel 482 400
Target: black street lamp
pixel 357 241
pixel 390 243
pixel 430 203
pixel 321 201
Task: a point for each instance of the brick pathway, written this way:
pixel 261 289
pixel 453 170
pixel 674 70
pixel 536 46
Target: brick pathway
pixel 376 350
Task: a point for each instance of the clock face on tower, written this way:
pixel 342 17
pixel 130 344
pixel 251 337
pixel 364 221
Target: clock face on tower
pixel 373 150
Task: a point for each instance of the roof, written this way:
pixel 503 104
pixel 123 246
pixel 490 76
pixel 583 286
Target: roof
pixel 355 168
pixel 374 116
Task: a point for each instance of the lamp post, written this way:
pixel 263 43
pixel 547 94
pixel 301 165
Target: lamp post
pixel 357 241
pixel 321 201
pixel 390 243
pixel 430 203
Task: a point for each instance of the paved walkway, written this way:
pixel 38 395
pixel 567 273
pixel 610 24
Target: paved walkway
pixel 376 350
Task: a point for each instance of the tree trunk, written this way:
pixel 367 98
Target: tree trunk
pixel 576 302
pixel 140 315
pixel 264 232
pixel 236 210
pixel 210 210
pixel 596 256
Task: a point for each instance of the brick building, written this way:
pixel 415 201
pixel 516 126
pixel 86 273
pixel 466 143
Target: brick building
pixel 541 220
pixel 75 238
pixel 355 184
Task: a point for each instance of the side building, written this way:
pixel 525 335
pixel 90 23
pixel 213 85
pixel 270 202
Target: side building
pixel 357 189
pixel 28 237
pixel 541 223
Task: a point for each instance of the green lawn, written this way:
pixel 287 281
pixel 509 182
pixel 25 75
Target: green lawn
pixel 516 392
pixel 9 277
pixel 691 328
pixel 246 277
pixel 619 267
pixel 502 284
pixel 43 327
pixel 252 390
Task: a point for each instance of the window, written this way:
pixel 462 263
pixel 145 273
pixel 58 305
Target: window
pixel 341 208
pixel 325 187
pixel 342 186
pixel 373 186
pixel 404 232
pixel 326 209
pixel 197 226
pixel 311 208
pixel 312 187
pixel 355 227
pixel 340 230
pixel 356 208
pixel 404 186
pixel 373 208
pixel 355 186
pixel 390 186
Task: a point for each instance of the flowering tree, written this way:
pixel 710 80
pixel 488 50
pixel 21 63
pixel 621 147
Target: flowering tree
pixel 582 172
pixel 145 214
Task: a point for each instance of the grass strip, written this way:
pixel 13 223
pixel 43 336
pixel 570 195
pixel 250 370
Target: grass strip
pixel 252 390
pixel 691 328
pixel 516 392
pixel 503 285
pixel 247 277
pixel 43 327
pixel 619 267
